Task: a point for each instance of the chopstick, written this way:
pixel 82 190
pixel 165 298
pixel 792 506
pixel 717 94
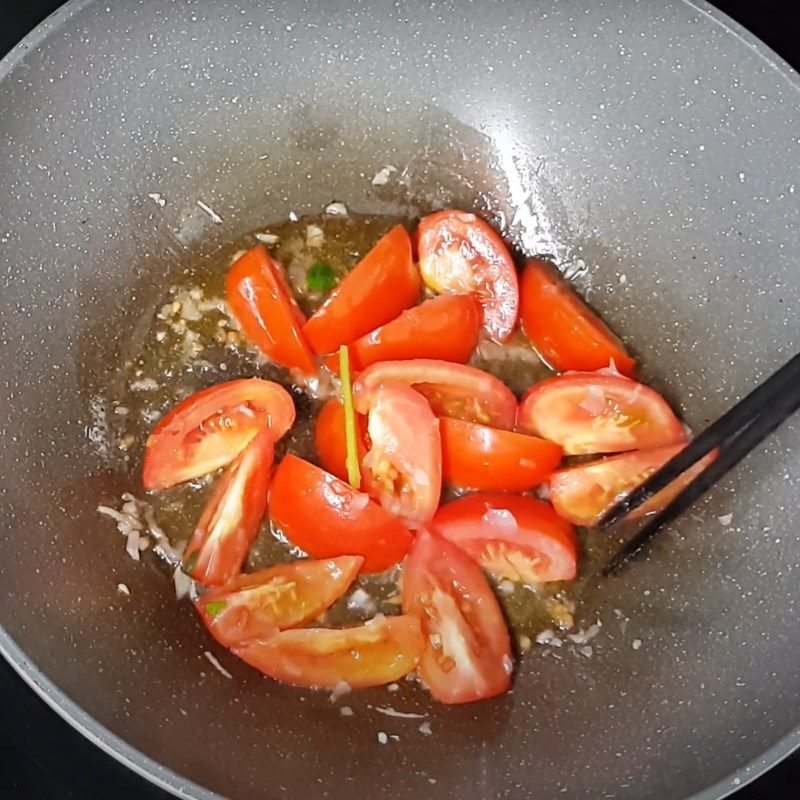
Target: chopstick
pixel 736 433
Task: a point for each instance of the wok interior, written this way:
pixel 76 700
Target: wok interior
pixel 258 110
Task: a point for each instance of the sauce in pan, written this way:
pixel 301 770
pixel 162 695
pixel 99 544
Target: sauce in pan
pixel 193 342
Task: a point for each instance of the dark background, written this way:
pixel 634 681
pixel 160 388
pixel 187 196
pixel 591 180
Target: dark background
pixel 41 757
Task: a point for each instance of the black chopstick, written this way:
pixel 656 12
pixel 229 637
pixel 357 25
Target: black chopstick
pixel 773 408
pixel 733 421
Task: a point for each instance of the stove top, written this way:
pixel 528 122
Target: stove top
pixel 43 758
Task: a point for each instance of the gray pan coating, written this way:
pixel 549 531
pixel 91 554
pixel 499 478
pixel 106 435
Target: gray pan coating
pixel 652 147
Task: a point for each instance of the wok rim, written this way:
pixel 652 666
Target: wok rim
pixel 173 782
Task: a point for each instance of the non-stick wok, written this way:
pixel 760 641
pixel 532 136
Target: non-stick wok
pixel 650 147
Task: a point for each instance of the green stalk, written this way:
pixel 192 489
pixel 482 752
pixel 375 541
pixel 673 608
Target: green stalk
pixel 350 435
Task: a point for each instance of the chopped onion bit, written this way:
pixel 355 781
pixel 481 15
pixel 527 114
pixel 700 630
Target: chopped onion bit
pixel 336 210
pixel 382 175
pixel 340 690
pixel 215 663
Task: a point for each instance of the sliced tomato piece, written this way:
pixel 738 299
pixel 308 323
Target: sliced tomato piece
pixel 326 517
pixel 591 412
pixel 262 303
pixel 478 457
pixel 467 650
pixel 209 429
pixel 380 651
pixel 452 390
pixel 583 493
pixel 384 283
pixel 567 334
pixel 513 537
pixel 403 468
pixel 330 440
pixel 460 253
pixel 232 516
pixel 444 328
pixel 259 604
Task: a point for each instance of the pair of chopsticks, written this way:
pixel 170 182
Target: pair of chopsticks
pixel 735 433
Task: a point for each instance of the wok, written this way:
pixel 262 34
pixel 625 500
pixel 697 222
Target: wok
pixel 650 147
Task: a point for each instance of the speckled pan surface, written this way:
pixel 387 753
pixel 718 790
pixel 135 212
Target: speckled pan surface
pixel 651 147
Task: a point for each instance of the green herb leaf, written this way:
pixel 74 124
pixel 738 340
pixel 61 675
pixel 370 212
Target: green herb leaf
pixel 350 434
pixel 320 277
pixel 190 563
pixel 214 607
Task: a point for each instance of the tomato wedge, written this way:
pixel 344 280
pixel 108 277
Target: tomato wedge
pixel 326 517
pixel 384 283
pixel 583 493
pixel 232 516
pixel 513 537
pixel 478 457
pixel 380 651
pixel 262 303
pixel 452 390
pixel 330 439
pixel 591 412
pixel 259 604
pixel 403 468
pixel 567 334
pixel 209 429
pixel 444 328
pixel 467 651
pixel 459 253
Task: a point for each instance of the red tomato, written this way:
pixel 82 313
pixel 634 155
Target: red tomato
pixel 384 283
pixel 259 604
pixel 262 303
pixel 460 253
pixel 583 493
pixel 567 334
pixel 513 537
pixel 232 516
pixel 467 651
pixel 453 390
pixel 591 412
pixel 326 517
pixel 403 468
pixel 478 457
pixel 330 439
pixel 445 328
pixel 380 651
pixel 209 429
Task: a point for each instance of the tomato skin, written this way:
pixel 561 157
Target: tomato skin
pixel 403 468
pixel 232 515
pixel 381 651
pixel 478 457
pixel 514 537
pixel 444 328
pixel 384 283
pixel 566 333
pixel 326 517
pixel 467 653
pixel 209 429
pixel 583 493
pixel 598 412
pixel 452 390
pixel 329 438
pixel 262 303
pixel 259 604
pixel 460 253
